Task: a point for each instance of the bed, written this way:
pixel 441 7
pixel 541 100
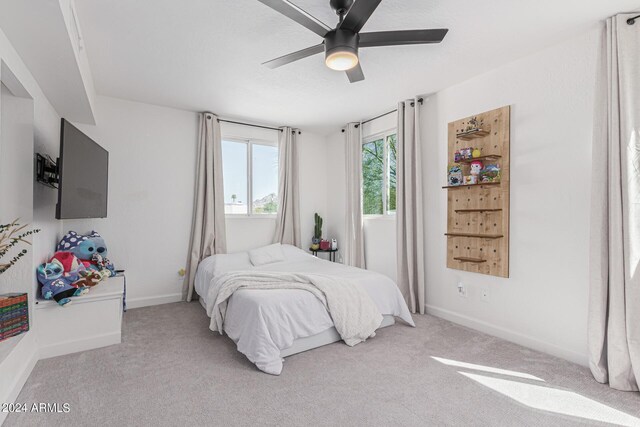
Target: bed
pixel 270 324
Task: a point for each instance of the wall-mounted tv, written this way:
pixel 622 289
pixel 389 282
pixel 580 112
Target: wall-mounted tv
pixel 84 176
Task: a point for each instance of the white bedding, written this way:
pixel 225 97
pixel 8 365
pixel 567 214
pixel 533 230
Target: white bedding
pixel 264 322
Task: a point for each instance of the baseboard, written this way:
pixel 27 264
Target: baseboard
pixel 18 366
pixel 154 300
pixel 509 335
pixel 74 346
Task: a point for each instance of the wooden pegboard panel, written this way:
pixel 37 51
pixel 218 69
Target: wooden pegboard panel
pixel 478 215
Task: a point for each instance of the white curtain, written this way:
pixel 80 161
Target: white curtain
pixel 354 245
pixel 288 219
pixel 409 208
pixel 614 308
pixel 208 233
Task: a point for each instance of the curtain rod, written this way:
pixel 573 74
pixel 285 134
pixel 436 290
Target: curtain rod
pixel 420 100
pixel 254 126
pixel 632 21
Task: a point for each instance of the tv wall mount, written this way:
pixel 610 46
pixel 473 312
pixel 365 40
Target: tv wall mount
pixel 47 171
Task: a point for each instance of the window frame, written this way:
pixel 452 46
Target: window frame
pixel 384 135
pixel 250 142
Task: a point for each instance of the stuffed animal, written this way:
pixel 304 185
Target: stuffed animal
pixel 91 249
pixel 75 271
pixel 55 285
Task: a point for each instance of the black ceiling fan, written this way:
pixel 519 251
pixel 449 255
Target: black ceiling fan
pixel 341 44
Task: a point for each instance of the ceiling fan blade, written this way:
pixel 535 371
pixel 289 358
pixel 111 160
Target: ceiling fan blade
pixel 286 59
pixel 394 38
pixel 293 12
pixel 359 14
pixel 355 74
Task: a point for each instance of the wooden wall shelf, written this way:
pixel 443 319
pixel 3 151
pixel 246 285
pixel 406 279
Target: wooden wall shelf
pixel 475 260
pixel 479 243
pixel 477 210
pixel 472 134
pixel 487 157
pixel 478 236
pixel 472 185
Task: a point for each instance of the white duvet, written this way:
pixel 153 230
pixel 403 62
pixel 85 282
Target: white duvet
pixel 263 322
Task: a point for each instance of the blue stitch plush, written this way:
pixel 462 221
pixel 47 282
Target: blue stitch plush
pixel 91 249
pixel 55 285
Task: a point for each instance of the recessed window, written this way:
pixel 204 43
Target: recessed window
pixel 250 171
pixel 379 174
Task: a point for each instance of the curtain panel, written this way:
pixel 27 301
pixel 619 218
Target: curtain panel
pixel 208 229
pixel 288 217
pixel 354 245
pixel 614 302
pixel 409 208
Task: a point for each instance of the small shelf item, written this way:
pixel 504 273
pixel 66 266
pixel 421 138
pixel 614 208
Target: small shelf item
pixel 472 134
pixel 477 210
pixel 474 260
pixel 479 236
pixel 14 315
pixel 471 185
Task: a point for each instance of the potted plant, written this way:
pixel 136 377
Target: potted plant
pixel 317 232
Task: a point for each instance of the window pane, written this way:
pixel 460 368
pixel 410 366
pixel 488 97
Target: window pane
pixel 234 168
pixel 373 176
pixel 265 179
pixel 391 183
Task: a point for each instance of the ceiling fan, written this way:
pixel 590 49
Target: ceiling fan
pixel 341 44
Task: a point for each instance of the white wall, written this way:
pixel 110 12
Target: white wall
pixel 379 231
pixel 151 188
pixel 30 201
pixel 152 158
pixel 245 233
pixel 544 302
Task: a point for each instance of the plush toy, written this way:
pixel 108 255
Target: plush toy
pixel 91 249
pixel 55 285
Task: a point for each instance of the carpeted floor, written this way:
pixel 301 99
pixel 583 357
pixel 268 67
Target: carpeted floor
pixel 171 370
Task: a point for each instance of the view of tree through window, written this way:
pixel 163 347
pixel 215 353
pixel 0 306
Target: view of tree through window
pixel 379 175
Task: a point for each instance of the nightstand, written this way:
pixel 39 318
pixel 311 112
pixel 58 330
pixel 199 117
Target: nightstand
pixel 331 252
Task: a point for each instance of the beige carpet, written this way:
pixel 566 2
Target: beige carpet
pixel 171 370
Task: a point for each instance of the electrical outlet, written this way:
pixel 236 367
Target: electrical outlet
pixel 462 290
pixel 484 294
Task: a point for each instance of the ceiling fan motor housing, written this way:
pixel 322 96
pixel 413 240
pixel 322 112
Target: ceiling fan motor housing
pixel 341 41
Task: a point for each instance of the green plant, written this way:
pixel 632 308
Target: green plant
pixel 10 236
pixel 317 229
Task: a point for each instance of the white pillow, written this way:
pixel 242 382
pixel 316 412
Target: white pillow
pixel 292 253
pixel 266 255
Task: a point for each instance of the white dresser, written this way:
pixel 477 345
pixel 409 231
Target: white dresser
pixel 91 321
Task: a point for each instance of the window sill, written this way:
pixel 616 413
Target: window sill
pixel 380 217
pixel 243 217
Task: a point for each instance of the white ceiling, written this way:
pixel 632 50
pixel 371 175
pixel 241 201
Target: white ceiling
pixel 206 54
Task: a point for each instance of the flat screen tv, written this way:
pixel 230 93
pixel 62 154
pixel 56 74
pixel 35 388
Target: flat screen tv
pixel 84 174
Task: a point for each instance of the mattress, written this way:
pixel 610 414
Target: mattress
pixel 265 323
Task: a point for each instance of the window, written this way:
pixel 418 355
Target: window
pixel 250 171
pixel 379 174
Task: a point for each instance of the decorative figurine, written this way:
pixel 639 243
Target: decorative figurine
pixel 476 153
pixel 470 179
pixel 476 167
pixel 457 156
pixel 455 175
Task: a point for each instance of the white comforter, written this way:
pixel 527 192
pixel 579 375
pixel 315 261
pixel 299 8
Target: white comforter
pixel 263 322
pixel 355 316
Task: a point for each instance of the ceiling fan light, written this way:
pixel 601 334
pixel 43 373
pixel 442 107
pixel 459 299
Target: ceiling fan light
pixel 341 50
pixel 341 60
